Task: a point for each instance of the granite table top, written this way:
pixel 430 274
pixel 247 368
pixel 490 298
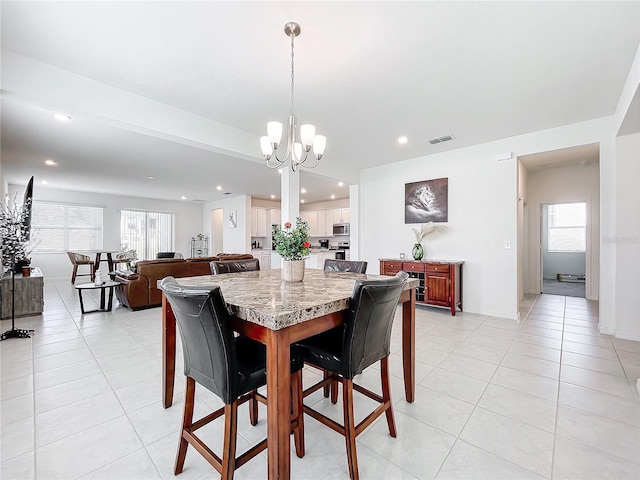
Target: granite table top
pixel 264 298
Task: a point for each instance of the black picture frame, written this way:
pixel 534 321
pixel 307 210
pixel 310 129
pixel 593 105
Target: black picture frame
pixel 427 201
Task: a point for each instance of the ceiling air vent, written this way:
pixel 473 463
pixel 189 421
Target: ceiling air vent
pixel 198 201
pixel 444 138
pixel 226 193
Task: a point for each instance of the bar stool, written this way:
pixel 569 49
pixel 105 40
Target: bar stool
pixel 231 367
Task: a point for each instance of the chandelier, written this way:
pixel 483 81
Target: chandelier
pixel 297 151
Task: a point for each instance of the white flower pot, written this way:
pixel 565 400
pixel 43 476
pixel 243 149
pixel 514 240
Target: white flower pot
pixel 293 270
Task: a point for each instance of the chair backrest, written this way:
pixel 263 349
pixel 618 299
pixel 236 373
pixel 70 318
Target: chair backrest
pixel 207 338
pixel 165 255
pixel 233 266
pixel 78 258
pixel 332 265
pixel 367 332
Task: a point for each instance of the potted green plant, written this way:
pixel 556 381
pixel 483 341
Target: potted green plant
pixel 293 246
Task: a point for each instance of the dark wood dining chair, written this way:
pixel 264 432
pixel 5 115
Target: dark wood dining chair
pixel 335 265
pixel 234 266
pixel 332 265
pixel 347 350
pixel 232 367
pixel 78 259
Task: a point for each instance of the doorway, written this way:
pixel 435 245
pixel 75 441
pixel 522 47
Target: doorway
pixel 217 229
pixel 563 241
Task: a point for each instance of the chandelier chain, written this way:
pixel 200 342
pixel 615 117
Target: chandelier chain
pixel 292 113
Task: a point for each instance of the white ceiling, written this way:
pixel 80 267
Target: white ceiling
pixel 182 90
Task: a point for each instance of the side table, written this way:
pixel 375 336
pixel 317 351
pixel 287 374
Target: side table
pixel 103 287
pixel 29 295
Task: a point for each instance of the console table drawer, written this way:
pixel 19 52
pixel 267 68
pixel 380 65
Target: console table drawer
pixel 437 268
pixel 391 267
pixel 413 267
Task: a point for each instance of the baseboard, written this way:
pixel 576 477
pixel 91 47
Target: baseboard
pixel 627 336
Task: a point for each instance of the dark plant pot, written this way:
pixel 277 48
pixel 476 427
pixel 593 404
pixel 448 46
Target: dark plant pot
pixel 20 264
pixel 417 251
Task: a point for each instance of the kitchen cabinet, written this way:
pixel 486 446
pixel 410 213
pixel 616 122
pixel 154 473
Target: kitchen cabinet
pixel 264 257
pixel 340 215
pixel 440 281
pixel 321 221
pixel 275 217
pixel 322 256
pixel 311 217
pixel 276 260
pixel 259 222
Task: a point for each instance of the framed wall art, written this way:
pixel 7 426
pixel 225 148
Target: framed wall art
pixel 426 201
pixel 232 219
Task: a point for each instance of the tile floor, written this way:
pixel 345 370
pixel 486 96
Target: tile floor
pixel 545 398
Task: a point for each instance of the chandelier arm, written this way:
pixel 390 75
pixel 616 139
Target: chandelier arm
pixel 316 157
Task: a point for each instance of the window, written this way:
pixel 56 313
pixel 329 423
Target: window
pixel 567 227
pixel 60 228
pixel 146 232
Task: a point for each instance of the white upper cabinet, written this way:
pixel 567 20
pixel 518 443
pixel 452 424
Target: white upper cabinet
pixel 259 222
pixel 275 216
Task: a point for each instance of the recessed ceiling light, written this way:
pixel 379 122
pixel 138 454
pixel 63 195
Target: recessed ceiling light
pixel 273 196
pixel 280 171
pixel 44 182
pixel 303 190
pixel 402 140
pixel 219 188
pixel 340 184
pixel 301 201
pixel 150 177
pixel 183 197
pixel 62 117
pixel 50 162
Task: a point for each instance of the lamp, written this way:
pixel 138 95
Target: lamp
pixel 297 152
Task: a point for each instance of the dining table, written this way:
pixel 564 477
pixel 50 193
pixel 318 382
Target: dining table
pixel 277 313
pixel 108 259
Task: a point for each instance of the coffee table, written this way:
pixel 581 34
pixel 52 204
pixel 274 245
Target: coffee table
pixel 103 287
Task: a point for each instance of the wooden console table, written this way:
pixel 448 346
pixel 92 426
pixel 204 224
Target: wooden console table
pixel 29 294
pixel 440 280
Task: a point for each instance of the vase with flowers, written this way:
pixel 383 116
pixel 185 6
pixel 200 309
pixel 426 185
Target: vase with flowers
pixel 293 246
pixel 426 230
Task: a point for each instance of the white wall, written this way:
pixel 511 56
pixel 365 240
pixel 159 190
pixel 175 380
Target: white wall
pixel 627 238
pixel 188 217
pixel 523 234
pixel 234 240
pixel 482 210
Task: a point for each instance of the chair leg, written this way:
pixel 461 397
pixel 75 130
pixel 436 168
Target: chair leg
pixel 297 411
pixel 187 420
pixel 326 388
pixel 74 274
pixel 230 437
pixel 253 409
pixel 334 391
pixel 350 428
pixel 386 395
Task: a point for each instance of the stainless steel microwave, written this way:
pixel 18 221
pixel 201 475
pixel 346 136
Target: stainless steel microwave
pixel 340 229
